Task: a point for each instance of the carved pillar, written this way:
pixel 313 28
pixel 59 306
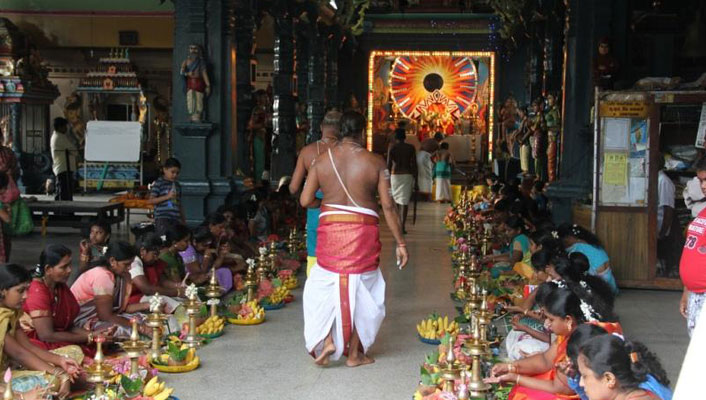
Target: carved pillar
pixel 332 42
pixel 283 120
pixel 243 38
pixel 202 146
pixel 316 105
pixel 302 61
pixel 16 132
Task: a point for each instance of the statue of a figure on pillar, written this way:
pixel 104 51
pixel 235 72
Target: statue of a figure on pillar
pixel 198 85
pixel 552 118
pixel 539 140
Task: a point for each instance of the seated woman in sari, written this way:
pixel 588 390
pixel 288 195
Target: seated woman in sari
pixel 539 377
pixel 578 240
pixel 655 380
pixel 103 292
pixel 519 255
pixel 199 258
pixel 42 367
pixel 50 308
pixel 613 368
pixel 176 240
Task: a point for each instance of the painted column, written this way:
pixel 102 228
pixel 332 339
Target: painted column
pixel 333 40
pixel 316 101
pixel 283 120
pixel 243 39
pixel 199 146
pixel 16 130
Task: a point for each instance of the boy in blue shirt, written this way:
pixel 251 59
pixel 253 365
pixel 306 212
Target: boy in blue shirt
pixel 166 197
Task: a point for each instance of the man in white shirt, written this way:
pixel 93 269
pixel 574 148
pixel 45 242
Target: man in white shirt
pixel 667 235
pixel 63 154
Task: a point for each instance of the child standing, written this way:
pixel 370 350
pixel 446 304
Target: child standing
pixel 166 197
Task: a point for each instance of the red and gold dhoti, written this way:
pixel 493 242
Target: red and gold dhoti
pixel 345 289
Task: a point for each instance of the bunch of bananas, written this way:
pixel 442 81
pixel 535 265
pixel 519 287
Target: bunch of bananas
pixel 279 294
pixel 433 329
pixel 291 282
pixel 213 325
pixel 256 312
pixel 156 390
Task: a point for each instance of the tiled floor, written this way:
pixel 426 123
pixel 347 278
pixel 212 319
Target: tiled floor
pixel 269 361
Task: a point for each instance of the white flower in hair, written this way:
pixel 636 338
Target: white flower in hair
pixel 559 283
pixel 555 234
pixel 155 303
pixel 164 238
pixel 191 292
pixel 588 312
pixel 103 250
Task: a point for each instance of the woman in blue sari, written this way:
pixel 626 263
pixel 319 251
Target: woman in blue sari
pixel 578 240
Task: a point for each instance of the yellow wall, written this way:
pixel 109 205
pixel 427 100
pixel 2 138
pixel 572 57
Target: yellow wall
pixel 47 30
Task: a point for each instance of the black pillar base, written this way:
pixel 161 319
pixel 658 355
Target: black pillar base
pixel 562 196
pixel 193 153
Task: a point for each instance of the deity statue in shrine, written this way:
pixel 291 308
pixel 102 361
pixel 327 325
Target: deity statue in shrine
pixel 162 134
pixel 605 66
pixel 538 128
pixel 258 133
pixel 552 118
pixel 198 85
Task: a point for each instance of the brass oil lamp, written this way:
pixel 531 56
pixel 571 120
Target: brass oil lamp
pixel 134 347
pixel 98 372
pixel 193 308
pixel 475 348
pixel 250 281
pixel 272 256
pixel 292 241
pixel 213 292
pixel 451 371
pixel 262 269
pixel 156 321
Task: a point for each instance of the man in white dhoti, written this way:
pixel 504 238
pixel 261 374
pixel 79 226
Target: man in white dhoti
pixel 344 296
pixel 402 162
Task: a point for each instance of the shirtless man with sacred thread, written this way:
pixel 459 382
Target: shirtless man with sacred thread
pixel 344 296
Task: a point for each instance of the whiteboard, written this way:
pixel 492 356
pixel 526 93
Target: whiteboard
pixel 114 141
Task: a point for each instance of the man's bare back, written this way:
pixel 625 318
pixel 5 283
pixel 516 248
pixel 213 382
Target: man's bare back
pixel 444 155
pixel 307 155
pixel 360 171
pixel 402 159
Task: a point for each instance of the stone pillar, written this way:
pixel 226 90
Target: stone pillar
pixel 316 97
pixel 302 61
pixel 283 119
pixel 202 147
pixel 243 39
pixel 333 40
pixel 16 132
pixel 576 171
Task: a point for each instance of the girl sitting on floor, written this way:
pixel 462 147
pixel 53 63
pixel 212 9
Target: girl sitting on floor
pixel 519 255
pixel 93 247
pixel 199 258
pixel 578 240
pixel 655 381
pixel 612 368
pixel 103 292
pixel 176 240
pixel 41 365
pixel 147 274
pixel 538 377
pixel 51 308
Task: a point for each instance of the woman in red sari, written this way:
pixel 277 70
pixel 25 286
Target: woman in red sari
pixel 50 308
pixel 540 376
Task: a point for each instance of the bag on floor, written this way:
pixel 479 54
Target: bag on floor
pixel 20 219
